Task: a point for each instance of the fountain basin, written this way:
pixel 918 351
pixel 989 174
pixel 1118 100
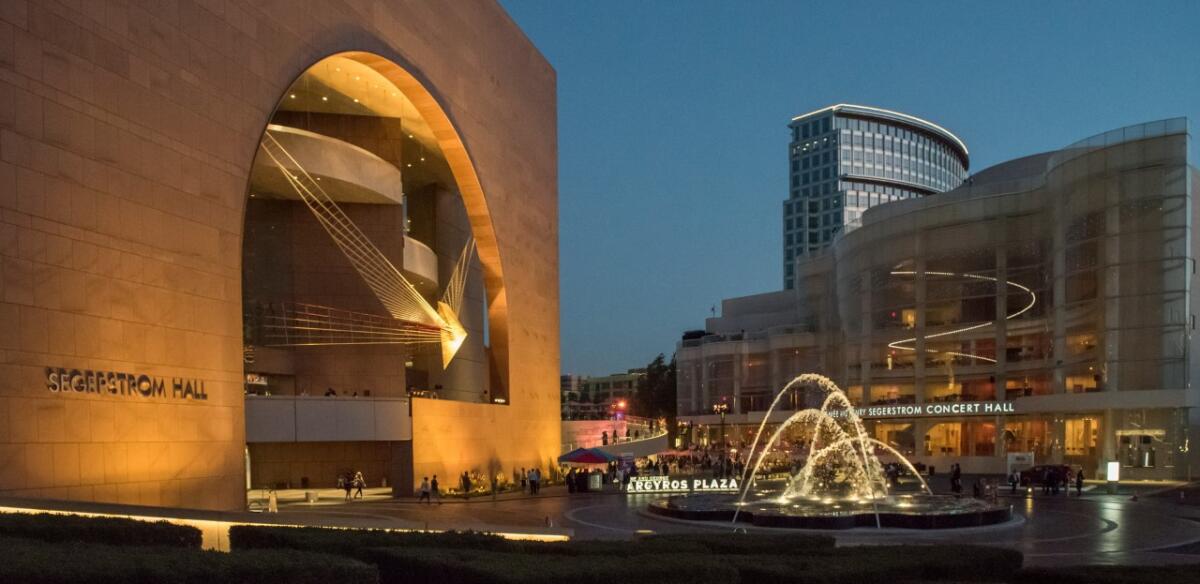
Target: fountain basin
pixel 907 512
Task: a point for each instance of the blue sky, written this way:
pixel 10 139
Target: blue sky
pixel 673 125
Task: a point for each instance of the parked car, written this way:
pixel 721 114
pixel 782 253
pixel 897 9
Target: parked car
pixel 1036 475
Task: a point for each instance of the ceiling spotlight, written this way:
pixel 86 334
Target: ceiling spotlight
pixel 323 98
pixel 356 100
pixel 293 96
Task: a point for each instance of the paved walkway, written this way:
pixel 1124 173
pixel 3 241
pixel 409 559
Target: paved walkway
pixel 1050 530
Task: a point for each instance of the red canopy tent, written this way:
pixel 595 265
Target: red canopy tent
pixel 586 456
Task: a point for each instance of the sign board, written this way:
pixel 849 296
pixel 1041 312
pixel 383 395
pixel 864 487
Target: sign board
pixel 986 408
pixel 64 381
pixel 1019 461
pixel 666 484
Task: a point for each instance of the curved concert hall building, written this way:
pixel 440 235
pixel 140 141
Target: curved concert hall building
pixel 1047 307
pixel 246 249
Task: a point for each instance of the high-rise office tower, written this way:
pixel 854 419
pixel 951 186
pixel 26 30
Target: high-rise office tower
pixel 845 158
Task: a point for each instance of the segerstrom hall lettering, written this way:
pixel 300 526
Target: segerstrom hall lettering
pixel 67 381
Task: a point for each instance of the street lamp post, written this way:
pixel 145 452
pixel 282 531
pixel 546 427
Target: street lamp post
pixel 720 408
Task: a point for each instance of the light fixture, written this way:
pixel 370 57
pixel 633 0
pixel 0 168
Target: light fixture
pixel 323 98
pixel 356 100
pixel 293 96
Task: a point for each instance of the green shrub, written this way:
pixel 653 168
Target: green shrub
pixel 1180 574
pixel 880 565
pixel 917 563
pixel 78 563
pixel 745 543
pixel 107 530
pixel 604 547
pixel 355 542
pixel 465 566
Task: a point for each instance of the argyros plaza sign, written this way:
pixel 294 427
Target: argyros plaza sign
pixel 661 484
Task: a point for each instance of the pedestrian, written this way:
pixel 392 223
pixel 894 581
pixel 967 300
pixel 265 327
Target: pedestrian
pixel 604 438
pixel 435 490
pixel 424 491
pixel 956 479
pixel 627 433
pixel 465 481
pixel 359 483
pixel 1079 483
pixel 1046 478
pixel 524 478
pixel 1014 479
pixel 1056 480
pixel 571 481
pixel 346 484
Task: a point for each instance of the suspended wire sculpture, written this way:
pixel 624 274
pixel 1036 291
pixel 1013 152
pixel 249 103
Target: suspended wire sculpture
pixel 414 319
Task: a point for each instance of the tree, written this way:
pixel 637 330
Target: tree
pixel 655 393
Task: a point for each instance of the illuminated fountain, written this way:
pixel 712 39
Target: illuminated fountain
pixel 841 484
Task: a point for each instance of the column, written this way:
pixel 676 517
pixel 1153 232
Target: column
pixel 865 349
pixel 1001 339
pixel 1059 292
pixel 739 373
pixel 919 305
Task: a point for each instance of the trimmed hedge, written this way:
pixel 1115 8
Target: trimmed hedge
pixel 107 530
pixel 745 544
pixel 355 542
pixel 78 563
pixel 443 566
pixel 1179 574
pixel 881 565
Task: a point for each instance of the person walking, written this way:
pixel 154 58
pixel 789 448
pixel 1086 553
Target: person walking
pixel 465 481
pixel 424 490
pixel 604 438
pixel 1046 478
pixel 1014 479
pixel 347 484
pixel 435 490
pixel 1079 483
pixel 359 483
pixel 524 478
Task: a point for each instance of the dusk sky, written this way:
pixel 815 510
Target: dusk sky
pixel 673 126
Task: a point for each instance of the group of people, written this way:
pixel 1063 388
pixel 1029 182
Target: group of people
pixel 352 482
pixel 1053 479
pixel 430 490
pixel 530 479
pixel 616 437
